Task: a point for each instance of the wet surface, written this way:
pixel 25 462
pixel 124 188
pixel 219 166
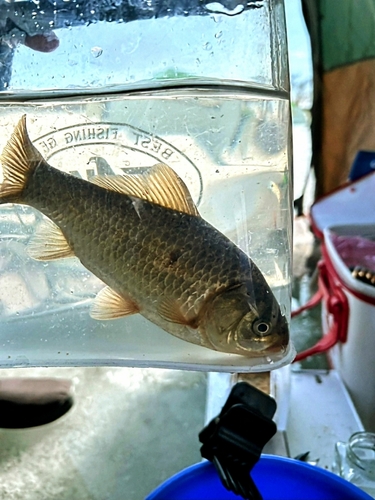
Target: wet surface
pixel 128 430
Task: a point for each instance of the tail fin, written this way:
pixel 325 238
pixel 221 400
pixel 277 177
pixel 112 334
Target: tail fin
pixel 19 159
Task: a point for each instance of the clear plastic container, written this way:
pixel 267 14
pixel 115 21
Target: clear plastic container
pixel 116 88
pixel 355 461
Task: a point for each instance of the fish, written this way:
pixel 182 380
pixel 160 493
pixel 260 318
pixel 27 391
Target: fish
pixel 143 236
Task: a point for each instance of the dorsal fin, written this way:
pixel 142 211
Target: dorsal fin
pixel 161 185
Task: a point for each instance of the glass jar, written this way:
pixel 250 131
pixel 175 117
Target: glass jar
pixel 355 460
pixel 116 87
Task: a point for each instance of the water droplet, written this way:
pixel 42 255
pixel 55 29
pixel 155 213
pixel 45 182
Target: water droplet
pixel 207 46
pixel 218 34
pixel 96 51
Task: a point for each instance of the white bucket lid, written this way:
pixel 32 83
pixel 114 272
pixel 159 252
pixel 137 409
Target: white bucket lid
pixel 350 204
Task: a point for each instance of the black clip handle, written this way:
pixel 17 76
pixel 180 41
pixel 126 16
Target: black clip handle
pixel 234 440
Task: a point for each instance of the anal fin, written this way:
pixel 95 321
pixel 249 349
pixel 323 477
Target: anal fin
pixel 49 243
pixel 108 304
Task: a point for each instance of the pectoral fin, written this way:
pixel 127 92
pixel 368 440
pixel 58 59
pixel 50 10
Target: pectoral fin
pixel 49 243
pixel 108 304
pixel 161 185
pixel 170 310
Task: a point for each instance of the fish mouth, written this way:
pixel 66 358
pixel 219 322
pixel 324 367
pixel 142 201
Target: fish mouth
pixel 261 347
pixel 282 333
pixel 257 347
pixel 280 345
pixel 281 338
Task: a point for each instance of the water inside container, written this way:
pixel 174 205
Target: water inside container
pixel 95 107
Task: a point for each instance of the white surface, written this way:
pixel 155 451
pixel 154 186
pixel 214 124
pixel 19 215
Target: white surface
pixel 321 413
pixel 218 389
pixel 128 431
pixel 280 388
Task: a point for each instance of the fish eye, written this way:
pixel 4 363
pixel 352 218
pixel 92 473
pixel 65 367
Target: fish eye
pixel 261 328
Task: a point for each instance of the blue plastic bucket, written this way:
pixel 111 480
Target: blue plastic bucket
pixel 277 478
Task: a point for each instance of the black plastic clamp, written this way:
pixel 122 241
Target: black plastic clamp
pixel 234 440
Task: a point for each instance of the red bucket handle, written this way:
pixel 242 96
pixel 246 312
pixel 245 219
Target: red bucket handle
pixel 330 290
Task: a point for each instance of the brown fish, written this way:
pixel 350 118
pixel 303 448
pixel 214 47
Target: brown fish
pixel 143 237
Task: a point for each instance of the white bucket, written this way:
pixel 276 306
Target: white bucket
pixel 355 358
